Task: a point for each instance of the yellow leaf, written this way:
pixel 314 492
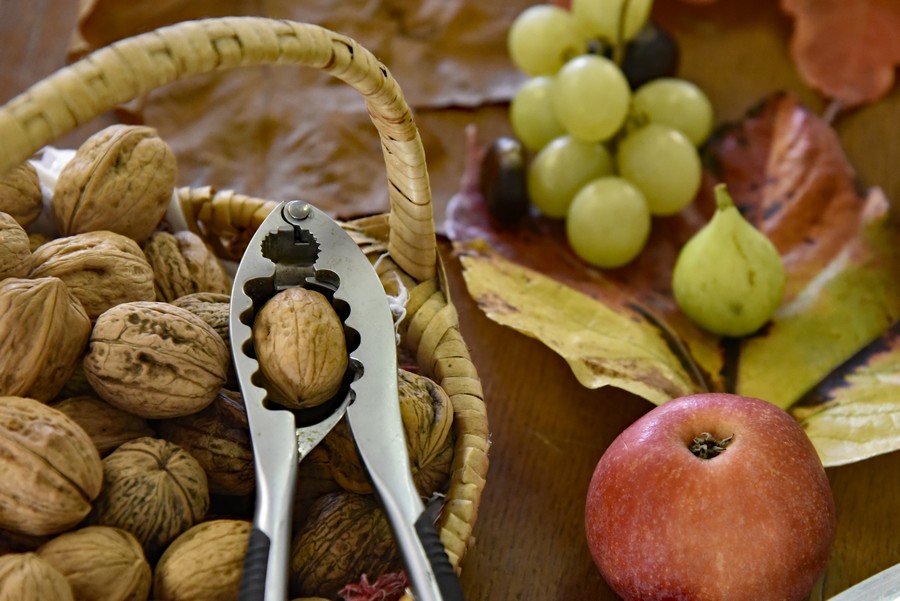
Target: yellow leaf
pixel 603 346
pixel 861 417
pixel 851 303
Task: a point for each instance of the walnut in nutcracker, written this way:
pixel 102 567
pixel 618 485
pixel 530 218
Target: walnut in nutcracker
pixel 121 180
pixel 100 563
pixel 155 360
pixel 102 269
pixel 204 563
pixel 51 469
pixel 20 194
pixel 184 264
pixel 299 342
pixel 153 489
pixel 43 332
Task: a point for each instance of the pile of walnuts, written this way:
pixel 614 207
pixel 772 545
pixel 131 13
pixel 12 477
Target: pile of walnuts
pixel 126 457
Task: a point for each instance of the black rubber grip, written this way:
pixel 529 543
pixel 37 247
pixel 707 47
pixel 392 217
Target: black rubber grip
pixel 444 574
pixel 253 578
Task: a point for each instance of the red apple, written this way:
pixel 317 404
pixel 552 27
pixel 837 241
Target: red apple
pixel 754 520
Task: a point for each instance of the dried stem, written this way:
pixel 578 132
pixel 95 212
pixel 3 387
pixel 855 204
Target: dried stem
pixel 707 446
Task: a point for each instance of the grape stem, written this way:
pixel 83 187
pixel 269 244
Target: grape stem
pixel 619 45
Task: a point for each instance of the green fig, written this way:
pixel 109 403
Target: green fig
pixel 729 277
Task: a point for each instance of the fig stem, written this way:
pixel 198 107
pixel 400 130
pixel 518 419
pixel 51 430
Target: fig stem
pixel 723 198
pixel 707 446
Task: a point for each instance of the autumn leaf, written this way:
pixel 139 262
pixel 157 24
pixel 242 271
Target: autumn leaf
pixel 787 171
pixel 282 132
pixel 849 51
pixel 603 346
pixel 848 305
pixel 853 414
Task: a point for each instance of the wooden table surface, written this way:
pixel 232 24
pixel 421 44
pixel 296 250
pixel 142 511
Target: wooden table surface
pixel 548 432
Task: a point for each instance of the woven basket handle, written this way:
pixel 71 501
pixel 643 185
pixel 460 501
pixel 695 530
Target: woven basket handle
pixel 131 67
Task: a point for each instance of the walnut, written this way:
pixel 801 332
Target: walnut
pixel 102 269
pixel 51 470
pixel 121 180
pixel 214 309
pixel 36 239
pixel 427 422
pixel 108 426
pixel 155 360
pixel 314 479
pixel 184 264
pixel 77 384
pixel 211 307
pixel 16 542
pixel 27 577
pixel 204 563
pixel 20 194
pixel 43 332
pixel 346 464
pixel 299 343
pixel 100 563
pixel 219 438
pixel 346 536
pixel 427 415
pixel 153 489
pixel 15 251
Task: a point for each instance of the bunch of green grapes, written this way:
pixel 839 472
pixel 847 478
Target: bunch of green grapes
pixel 614 134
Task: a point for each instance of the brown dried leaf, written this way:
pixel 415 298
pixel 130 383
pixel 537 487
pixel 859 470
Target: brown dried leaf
pixel 285 132
pixel 849 51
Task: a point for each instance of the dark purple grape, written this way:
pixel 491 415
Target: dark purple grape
pixel 503 180
pixel 651 54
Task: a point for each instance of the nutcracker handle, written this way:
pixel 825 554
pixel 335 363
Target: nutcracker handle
pixel 256 562
pixel 444 574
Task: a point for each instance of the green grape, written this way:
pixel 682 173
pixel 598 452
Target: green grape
pixel 608 222
pixel 590 98
pixel 601 18
pixel 560 169
pixel 531 115
pixel 663 164
pixel 542 38
pixel 677 103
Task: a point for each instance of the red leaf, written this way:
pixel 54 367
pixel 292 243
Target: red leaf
pixel 787 171
pixel 846 49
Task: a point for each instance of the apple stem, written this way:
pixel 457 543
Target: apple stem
pixel 707 446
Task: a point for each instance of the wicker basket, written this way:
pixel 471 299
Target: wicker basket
pixel 403 240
